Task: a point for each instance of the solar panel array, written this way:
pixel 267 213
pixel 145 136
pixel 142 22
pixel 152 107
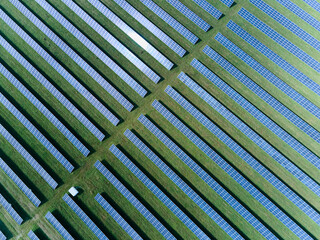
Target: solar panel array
pixel 209 8
pixel 32 235
pixel 8 207
pixel 2 236
pixel 84 217
pixel 27 191
pixel 117 217
pixel 58 226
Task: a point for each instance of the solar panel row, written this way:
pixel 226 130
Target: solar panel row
pixel 58 95
pixel 133 200
pixel 254 192
pixel 200 171
pixel 182 185
pixel 314 4
pixel 271 125
pixel 7 206
pixel 27 191
pixel 32 235
pixel 2 236
pixel 297 97
pixel 61 70
pixel 282 41
pixel 83 216
pixel 227 2
pixel 171 21
pixel 157 191
pixel 111 39
pixel 277 183
pixel 132 34
pixel 190 14
pixel 43 173
pixel 84 65
pixel 58 226
pixel 296 120
pixel 295 171
pixel 152 28
pixel 36 133
pixel 117 217
pixel 209 8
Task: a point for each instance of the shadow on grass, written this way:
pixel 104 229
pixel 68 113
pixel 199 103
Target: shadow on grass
pixel 5 230
pixel 39 232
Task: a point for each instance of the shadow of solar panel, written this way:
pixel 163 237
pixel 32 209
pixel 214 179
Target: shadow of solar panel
pixel 7 206
pixel 83 216
pixel 180 183
pixel 117 217
pixel 209 8
pixel 157 191
pixel 27 191
pixel 134 201
pixel 58 226
pixel 32 235
pixel 43 173
pixel 289 91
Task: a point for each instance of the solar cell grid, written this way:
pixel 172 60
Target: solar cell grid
pixel 27 191
pixel 183 186
pixel 83 216
pixel 32 235
pixel 58 226
pixel 209 8
pixel 277 212
pixel 314 4
pixel 7 206
pixel 2 236
pixel 160 195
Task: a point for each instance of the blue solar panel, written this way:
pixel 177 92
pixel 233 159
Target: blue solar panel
pixel 271 125
pixel 56 93
pixel 280 39
pixel 312 41
pixel 84 65
pixel 155 190
pixel 7 206
pixel 36 133
pixel 134 201
pixel 43 173
pixel 296 120
pixel 32 235
pixel 83 216
pixel 62 71
pixel 152 28
pixel 304 102
pixel 209 8
pixel 132 34
pixel 109 38
pixel 27 191
pixel 2 236
pixel 227 2
pixel 170 20
pixel 314 4
pixel 189 14
pixel 117 217
pixel 57 225
pixel 278 213
pixel 304 178
pixel 277 183
pixel 182 185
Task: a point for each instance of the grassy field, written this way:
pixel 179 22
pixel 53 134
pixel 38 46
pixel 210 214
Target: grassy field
pixel 88 178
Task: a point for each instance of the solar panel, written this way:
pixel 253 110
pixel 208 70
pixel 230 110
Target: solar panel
pixel 242 153
pixel 152 28
pixel 110 39
pixel 227 2
pixel 27 191
pixel 271 125
pixel 297 97
pixel 2 236
pixel 314 4
pixel 157 191
pixel 304 178
pixel 296 120
pixel 183 186
pixel 36 133
pixel 132 34
pixel 58 226
pixel 83 64
pixel 32 235
pixel 43 173
pixel 254 192
pixel 58 95
pixel 117 217
pixel 61 70
pixel 7 206
pixel 83 216
pixel 133 200
pixel 209 8
pixel 170 21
